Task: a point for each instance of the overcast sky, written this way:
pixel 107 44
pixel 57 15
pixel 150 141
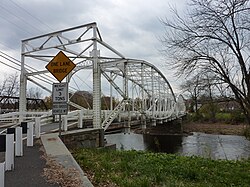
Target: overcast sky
pixel 130 26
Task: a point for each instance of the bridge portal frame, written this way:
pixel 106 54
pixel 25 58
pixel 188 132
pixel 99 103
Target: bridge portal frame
pixel 32 48
pixel 156 93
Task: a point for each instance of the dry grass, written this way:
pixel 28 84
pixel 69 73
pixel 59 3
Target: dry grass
pixel 55 173
pixel 214 128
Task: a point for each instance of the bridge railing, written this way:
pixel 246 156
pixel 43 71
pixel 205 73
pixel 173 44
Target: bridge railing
pixel 9 118
pixel 13 119
pixel 75 118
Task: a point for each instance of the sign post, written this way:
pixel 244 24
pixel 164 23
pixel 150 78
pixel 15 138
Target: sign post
pixel 60 66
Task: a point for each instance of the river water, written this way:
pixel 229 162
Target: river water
pixel 228 147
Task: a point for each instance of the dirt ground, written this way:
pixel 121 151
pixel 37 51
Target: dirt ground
pixel 214 128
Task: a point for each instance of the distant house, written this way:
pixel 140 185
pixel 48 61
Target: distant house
pixel 224 105
pixel 228 106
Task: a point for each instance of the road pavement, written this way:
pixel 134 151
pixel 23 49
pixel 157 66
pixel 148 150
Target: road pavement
pixel 28 169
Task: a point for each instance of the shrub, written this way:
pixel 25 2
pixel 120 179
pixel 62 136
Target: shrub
pixel 237 117
pixel 246 132
pixel 223 117
pixel 193 117
pixel 209 111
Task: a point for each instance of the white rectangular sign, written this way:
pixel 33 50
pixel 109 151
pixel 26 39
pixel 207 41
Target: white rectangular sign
pixel 60 98
pixel 60 92
pixel 60 108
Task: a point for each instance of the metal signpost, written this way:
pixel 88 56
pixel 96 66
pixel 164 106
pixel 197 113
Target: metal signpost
pixel 60 66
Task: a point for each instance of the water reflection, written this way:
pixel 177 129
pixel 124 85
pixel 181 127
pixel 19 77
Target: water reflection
pixel 216 146
pixel 126 141
pixel 206 145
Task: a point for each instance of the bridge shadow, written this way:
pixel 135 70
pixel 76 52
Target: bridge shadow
pixel 165 137
pixel 162 143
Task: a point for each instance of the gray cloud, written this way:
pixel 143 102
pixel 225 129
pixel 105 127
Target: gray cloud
pixel 130 26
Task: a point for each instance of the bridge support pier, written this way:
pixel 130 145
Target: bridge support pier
pixel 119 118
pixel 171 127
pixel 127 127
pixel 143 121
pixel 84 138
pixel 127 130
pixel 153 123
pixel 143 126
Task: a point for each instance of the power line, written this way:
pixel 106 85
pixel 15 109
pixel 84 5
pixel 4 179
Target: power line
pixel 4 18
pixel 20 18
pixel 33 16
pixel 45 78
pixel 7 46
pixel 13 10
pixel 10 66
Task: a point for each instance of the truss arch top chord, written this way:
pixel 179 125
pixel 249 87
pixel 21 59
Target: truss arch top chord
pixel 135 80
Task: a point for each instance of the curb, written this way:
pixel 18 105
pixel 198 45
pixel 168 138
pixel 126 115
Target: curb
pixel 55 149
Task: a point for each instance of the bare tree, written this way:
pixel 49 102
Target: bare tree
pixel 10 85
pixel 214 37
pixel 192 87
pixel 35 93
pixel 202 86
pixel 48 101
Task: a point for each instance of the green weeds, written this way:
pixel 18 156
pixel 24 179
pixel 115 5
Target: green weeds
pixel 137 168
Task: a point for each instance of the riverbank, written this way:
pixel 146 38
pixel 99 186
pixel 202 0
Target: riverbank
pixel 138 168
pixel 142 168
pixel 214 128
pixel 190 127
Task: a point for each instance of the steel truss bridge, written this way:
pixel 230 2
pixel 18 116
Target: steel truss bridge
pixel 139 88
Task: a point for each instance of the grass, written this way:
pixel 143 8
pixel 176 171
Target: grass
pixel 224 117
pixel 234 117
pixel 145 169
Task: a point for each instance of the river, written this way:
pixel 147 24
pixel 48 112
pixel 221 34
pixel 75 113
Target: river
pixel 228 147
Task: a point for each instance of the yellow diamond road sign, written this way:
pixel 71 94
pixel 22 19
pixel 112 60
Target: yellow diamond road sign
pixel 60 66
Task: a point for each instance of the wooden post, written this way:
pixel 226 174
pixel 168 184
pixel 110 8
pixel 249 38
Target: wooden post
pixel 30 134
pixel 38 127
pixel 19 142
pixel 80 119
pixel 9 154
pixel 2 174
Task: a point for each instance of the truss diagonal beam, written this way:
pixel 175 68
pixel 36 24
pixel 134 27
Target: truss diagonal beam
pixel 113 84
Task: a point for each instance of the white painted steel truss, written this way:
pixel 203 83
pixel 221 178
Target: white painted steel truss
pixel 140 85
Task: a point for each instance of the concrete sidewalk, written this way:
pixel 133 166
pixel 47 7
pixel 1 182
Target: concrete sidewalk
pixel 28 169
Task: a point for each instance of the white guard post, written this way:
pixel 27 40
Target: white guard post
pixel 38 127
pixel 80 114
pixel 19 141
pixel 65 123
pixel 2 174
pixel 9 154
pixel 30 134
